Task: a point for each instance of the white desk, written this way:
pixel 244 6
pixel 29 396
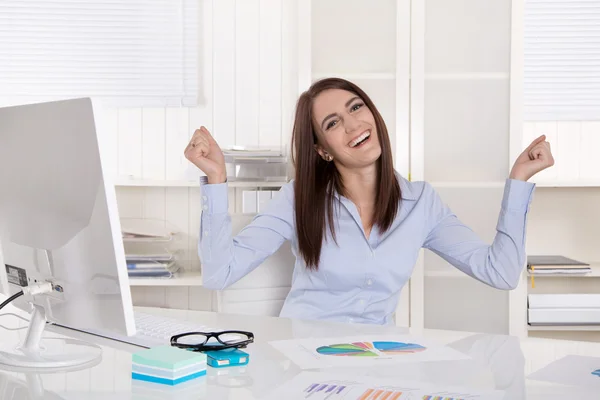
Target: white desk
pixel 498 361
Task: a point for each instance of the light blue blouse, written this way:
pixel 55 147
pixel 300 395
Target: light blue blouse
pixel 359 279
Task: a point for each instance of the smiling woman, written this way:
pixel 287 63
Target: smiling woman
pixel 339 120
pixel 356 226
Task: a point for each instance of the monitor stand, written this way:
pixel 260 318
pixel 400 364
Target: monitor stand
pixel 37 352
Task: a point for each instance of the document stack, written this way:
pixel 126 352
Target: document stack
pixel 255 164
pixel 147 248
pixel 548 265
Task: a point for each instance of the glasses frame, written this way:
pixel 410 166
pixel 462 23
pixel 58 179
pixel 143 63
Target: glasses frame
pixel 204 347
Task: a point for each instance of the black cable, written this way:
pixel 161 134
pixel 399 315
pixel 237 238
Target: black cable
pixel 11 298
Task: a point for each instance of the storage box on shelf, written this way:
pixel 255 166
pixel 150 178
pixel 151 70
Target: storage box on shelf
pixel 255 165
pixel 149 252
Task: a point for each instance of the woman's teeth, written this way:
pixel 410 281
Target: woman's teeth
pixel 359 139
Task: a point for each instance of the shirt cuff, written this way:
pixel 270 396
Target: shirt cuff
pixel 517 195
pixel 215 197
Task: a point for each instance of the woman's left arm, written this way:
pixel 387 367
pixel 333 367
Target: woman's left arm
pixel 499 264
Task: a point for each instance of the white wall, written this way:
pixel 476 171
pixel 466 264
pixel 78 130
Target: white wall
pixel 248 88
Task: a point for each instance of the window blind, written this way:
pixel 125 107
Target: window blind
pixel 126 53
pixel 562 60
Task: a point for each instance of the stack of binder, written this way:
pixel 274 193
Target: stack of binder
pixel 548 265
pixel 146 248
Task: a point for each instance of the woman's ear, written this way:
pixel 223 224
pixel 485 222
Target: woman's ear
pixel 322 153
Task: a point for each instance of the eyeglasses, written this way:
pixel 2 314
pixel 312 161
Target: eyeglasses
pixel 206 341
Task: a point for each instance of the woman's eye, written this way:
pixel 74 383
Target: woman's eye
pixel 356 106
pixel 331 124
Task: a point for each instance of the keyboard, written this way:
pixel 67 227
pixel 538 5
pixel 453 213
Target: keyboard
pixel 152 330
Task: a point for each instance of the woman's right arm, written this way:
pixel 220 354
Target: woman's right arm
pixel 226 259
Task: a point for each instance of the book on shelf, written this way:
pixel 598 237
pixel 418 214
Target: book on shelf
pixel 148 269
pixel 556 264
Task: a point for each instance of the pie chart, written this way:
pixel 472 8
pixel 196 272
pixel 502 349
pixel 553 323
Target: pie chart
pixel 369 349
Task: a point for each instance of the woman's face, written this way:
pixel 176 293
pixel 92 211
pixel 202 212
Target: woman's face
pixel 345 129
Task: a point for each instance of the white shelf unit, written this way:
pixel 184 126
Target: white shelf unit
pixel 249 67
pixel 459 123
pixel 564 214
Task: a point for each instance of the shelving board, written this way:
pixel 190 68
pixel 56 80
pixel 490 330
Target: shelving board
pixel 183 183
pixel 179 279
pixel 468 185
pixel 557 328
pixel 355 76
pixel 573 183
pixel 498 184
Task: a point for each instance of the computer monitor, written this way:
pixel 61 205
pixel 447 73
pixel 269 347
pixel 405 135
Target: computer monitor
pixel 59 223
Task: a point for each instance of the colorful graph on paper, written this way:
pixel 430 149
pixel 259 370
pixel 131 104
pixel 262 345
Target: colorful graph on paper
pixel 369 349
pixel 325 391
pixel 372 394
pixel 596 372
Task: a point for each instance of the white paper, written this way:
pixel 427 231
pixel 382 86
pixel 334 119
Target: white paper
pixel 363 351
pixel 571 370
pixel 326 386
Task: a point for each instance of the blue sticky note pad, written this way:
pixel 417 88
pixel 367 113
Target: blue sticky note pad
pixel 226 358
pixel 167 365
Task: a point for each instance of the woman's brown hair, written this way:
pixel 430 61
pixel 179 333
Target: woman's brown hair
pixel 317 180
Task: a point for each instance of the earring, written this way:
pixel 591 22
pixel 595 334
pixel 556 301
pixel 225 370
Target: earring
pixel 329 157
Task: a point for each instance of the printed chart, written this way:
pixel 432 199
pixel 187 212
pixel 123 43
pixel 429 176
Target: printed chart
pixel 363 351
pixel 325 386
pixel 571 370
pixel 370 349
pixel 339 391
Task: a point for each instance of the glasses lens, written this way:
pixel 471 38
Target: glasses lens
pixel 233 338
pixel 227 338
pixel 192 340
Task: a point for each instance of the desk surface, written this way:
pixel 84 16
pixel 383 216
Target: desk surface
pixel 497 362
